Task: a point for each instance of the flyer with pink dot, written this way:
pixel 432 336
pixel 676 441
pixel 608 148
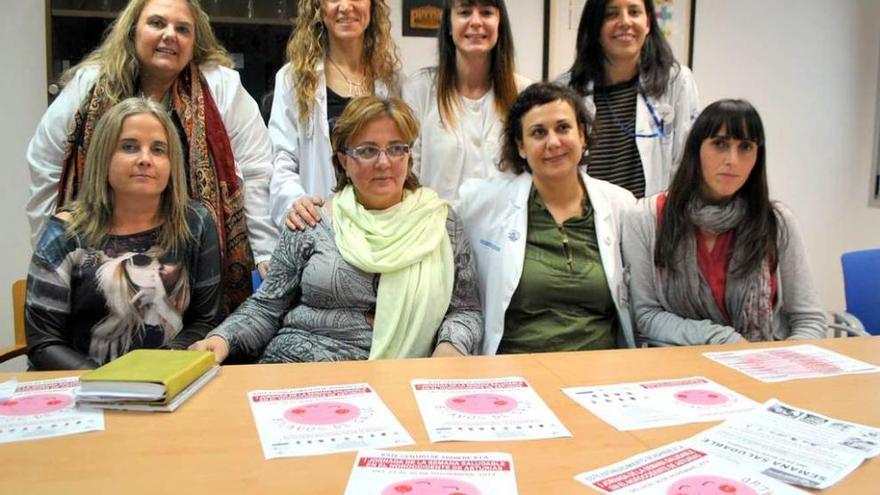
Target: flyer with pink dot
pixel 44 409
pixel 432 473
pixel 681 469
pixel 485 410
pixel 652 404
pixel 324 420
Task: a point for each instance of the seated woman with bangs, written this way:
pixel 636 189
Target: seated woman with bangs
pixel 714 260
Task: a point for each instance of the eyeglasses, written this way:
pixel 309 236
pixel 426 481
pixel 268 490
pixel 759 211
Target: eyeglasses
pixel 369 153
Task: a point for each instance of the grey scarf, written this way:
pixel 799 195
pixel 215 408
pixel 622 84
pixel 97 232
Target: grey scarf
pixel 746 297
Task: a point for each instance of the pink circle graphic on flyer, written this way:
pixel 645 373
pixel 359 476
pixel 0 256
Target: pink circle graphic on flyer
pixel 431 486
pixel 482 403
pixel 35 404
pixel 322 413
pixel 700 397
pixel 709 485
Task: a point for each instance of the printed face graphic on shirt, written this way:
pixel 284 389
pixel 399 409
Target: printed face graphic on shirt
pixel 700 397
pixel 35 404
pixel 482 403
pixel 431 486
pixel 709 485
pixel 322 413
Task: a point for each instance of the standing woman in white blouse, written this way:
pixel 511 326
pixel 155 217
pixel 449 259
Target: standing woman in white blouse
pixel 339 49
pixel 462 101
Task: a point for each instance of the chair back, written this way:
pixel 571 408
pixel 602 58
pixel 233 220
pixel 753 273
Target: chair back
pixel 861 281
pixel 19 347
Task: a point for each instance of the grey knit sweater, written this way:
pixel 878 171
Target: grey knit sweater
pixel 797 313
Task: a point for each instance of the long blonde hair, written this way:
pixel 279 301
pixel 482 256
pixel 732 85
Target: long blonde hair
pixel 91 215
pixel 115 56
pixel 308 45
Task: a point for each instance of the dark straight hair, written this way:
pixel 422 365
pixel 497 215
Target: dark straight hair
pixel 501 70
pixel 758 236
pixel 655 63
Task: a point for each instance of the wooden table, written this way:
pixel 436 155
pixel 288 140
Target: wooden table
pixel 210 445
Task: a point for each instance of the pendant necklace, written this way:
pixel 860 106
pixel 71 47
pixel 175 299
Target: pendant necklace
pixel 355 88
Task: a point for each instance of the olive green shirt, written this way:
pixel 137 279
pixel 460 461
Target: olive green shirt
pixel 562 302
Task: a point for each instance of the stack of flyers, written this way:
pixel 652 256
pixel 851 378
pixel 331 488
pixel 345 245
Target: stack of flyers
pixel 485 410
pixel 793 445
pixel 323 420
pixel 679 469
pixel 44 409
pixel 634 406
pixel 431 473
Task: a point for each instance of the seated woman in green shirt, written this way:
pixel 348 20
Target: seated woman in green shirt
pixel 547 236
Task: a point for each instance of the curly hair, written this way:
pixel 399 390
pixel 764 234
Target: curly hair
pixel 115 57
pixel 308 45
pixel 537 94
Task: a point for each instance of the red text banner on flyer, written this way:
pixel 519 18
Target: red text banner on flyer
pixel 681 469
pixel 432 473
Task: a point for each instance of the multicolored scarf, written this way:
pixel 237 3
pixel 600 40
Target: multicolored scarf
pixel 211 166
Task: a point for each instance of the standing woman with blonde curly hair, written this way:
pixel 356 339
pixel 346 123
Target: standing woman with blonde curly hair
pixel 165 50
pixel 339 49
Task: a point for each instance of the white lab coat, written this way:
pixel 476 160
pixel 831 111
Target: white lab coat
pixel 302 155
pixel 440 154
pixel 676 109
pixel 244 125
pixel 494 214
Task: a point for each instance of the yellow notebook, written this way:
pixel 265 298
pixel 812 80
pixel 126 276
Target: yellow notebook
pixel 147 374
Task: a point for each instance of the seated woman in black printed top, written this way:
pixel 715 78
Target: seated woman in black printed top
pixel 132 263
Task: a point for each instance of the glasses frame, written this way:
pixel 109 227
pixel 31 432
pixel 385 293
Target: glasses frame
pixel 370 161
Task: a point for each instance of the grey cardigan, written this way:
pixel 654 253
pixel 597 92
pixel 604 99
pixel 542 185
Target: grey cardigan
pixel 797 313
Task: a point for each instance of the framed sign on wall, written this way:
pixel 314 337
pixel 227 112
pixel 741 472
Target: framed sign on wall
pixel 421 17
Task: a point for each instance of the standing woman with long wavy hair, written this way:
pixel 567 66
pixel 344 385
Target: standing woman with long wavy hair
pixel 641 100
pixel 339 49
pixel 462 102
pixel 166 51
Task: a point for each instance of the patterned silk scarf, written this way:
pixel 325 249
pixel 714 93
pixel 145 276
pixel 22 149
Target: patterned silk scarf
pixel 211 181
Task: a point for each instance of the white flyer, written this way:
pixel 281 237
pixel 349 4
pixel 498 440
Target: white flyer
pixel 485 410
pixel 679 469
pixel 639 405
pixel 779 364
pixel 324 420
pixel 378 472
pixel 790 444
pixel 44 409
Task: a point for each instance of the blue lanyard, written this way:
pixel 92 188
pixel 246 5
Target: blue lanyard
pixel 660 131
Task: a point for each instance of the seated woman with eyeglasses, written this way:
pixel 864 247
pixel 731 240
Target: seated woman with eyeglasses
pixel 388 274
pixel 714 260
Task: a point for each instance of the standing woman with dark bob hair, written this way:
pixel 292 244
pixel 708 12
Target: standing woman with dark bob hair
pixel 642 101
pixel 462 102
pixel 714 260
pixel 165 50
pixel 133 262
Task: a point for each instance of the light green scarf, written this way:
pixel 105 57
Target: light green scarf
pixel 409 246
